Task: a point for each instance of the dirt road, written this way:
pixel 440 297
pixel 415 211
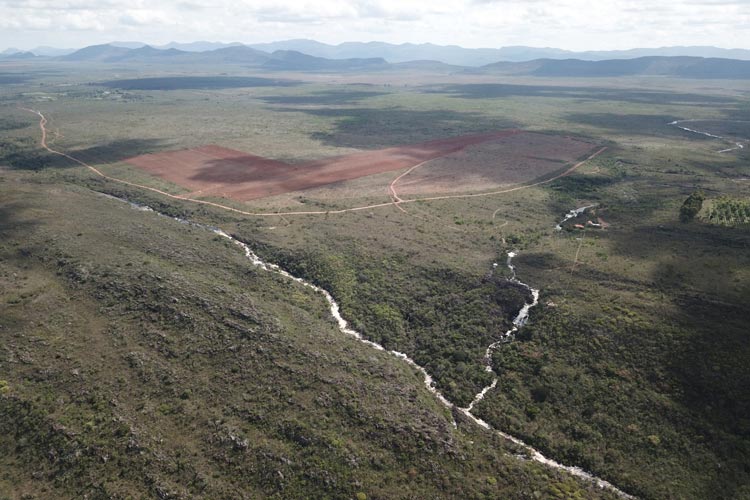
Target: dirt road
pixel 397 201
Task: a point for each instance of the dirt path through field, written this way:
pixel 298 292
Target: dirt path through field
pixel 43 144
pixel 392 188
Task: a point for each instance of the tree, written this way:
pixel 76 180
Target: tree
pixel 692 206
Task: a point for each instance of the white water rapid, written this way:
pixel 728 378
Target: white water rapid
pixel 570 215
pixel 343 325
pixel 521 318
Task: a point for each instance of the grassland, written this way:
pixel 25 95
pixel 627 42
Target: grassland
pixel 633 366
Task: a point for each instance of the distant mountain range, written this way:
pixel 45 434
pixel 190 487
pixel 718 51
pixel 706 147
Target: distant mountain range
pixel 200 46
pixel 287 59
pixel 44 51
pixel 453 54
pixel 678 66
pixel 17 56
pixel 406 52
pixel 280 60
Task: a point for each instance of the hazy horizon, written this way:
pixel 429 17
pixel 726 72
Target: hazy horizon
pixel 228 41
pixel 621 25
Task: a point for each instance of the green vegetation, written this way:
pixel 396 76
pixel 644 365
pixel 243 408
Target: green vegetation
pixel 23 154
pixel 729 211
pixel 444 319
pixel 147 358
pixel 692 206
pixel 153 360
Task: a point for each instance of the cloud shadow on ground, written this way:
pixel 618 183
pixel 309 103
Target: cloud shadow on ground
pixel 499 90
pixel 196 83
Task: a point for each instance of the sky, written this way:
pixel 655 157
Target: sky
pixel 566 24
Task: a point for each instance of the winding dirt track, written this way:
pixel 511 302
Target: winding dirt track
pixel 396 200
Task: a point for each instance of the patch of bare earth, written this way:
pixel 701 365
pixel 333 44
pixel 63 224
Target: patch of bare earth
pixel 513 159
pixel 217 171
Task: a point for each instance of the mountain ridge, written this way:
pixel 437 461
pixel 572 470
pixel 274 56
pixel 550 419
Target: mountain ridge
pixel 678 66
pixel 407 52
pixel 456 55
pixel 294 60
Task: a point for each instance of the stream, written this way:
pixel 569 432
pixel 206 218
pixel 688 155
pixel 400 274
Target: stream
pixel 343 325
pixel 737 145
pixel 521 318
pixel 570 215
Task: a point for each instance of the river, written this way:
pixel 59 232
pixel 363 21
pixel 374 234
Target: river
pixel 343 325
pixel 737 145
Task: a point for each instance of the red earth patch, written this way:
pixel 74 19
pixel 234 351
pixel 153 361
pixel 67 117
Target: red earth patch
pixel 218 171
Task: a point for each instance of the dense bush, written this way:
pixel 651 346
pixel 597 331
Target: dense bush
pixel 691 206
pixel 443 319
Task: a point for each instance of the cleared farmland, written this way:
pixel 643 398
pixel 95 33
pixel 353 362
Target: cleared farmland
pixel 501 162
pixel 471 162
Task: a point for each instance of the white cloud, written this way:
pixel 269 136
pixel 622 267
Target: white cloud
pixel 572 24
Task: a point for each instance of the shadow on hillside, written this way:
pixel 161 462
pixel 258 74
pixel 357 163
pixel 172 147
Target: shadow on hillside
pixel 710 364
pixel 705 240
pixel 373 128
pixel 13 124
pixel 497 90
pixel 13 78
pixel 701 268
pixel 18 77
pixel 712 370
pixel 581 186
pixel 742 113
pixel 729 128
pixel 10 223
pixel 693 344
pixel 116 151
pixel 196 83
pixel 31 157
pixel 324 97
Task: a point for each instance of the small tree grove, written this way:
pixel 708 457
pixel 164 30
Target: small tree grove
pixel 692 206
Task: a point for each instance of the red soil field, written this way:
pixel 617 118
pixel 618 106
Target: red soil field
pixel 218 171
pixel 494 164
